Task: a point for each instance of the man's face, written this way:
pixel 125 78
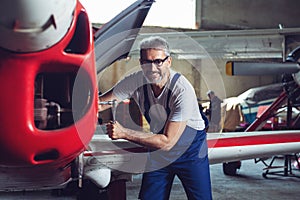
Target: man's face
pixel 155 65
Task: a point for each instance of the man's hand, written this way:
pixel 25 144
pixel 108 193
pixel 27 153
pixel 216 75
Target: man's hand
pixel 115 130
pixel 164 141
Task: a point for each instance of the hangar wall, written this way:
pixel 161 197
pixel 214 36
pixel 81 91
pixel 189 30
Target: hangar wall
pixel 233 85
pixel 266 31
pixel 220 46
pixel 245 14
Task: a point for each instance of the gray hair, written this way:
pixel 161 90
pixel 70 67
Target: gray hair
pixel 155 42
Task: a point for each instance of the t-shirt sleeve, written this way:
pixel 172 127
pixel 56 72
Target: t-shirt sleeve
pixel 126 87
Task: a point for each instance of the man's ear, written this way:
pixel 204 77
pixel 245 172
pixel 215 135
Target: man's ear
pixel 169 60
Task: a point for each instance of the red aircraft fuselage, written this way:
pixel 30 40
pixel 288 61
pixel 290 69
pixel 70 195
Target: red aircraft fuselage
pixel 49 98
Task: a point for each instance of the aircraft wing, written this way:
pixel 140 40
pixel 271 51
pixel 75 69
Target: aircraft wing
pixel 222 147
pixel 235 146
pixel 114 40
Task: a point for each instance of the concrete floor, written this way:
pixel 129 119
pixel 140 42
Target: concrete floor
pixel 249 184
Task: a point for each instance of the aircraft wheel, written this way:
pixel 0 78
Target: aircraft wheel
pixel 231 168
pixel 91 192
pixel 264 175
pixel 117 190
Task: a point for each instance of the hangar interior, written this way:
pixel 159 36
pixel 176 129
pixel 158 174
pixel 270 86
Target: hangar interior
pixel 225 30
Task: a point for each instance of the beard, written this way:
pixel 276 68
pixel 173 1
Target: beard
pixel 154 77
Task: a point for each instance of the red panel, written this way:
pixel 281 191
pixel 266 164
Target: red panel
pixel 254 140
pixel 20 140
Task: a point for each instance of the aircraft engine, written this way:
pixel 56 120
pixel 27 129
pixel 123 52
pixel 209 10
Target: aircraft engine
pixel 49 104
pixel 33 25
pixel 49 101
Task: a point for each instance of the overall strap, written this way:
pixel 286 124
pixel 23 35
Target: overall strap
pixel 146 98
pixel 146 103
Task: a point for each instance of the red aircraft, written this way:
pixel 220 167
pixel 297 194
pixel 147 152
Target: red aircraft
pixel 49 57
pixel 48 77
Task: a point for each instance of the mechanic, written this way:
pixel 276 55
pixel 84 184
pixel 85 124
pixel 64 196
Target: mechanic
pixel 214 112
pixel 177 141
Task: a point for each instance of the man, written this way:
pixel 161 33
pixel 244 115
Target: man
pixel 214 112
pixel 177 141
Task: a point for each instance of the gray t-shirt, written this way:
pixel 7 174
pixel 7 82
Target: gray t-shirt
pixel 182 103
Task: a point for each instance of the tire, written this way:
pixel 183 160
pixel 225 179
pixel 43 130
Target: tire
pixel 91 192
pixel 231 168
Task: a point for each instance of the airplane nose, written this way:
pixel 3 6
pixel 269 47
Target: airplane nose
pixel 34 25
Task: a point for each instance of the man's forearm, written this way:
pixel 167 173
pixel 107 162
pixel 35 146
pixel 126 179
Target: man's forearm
pixel 150 140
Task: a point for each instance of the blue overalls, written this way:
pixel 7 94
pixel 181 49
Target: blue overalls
pixel 187 159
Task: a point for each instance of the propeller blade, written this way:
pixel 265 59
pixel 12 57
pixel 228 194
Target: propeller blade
pixel 254 68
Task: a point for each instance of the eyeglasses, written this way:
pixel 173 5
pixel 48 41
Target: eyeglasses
pixel 157 62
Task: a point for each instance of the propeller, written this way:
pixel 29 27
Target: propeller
pixel 254 68
pixel 289 68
